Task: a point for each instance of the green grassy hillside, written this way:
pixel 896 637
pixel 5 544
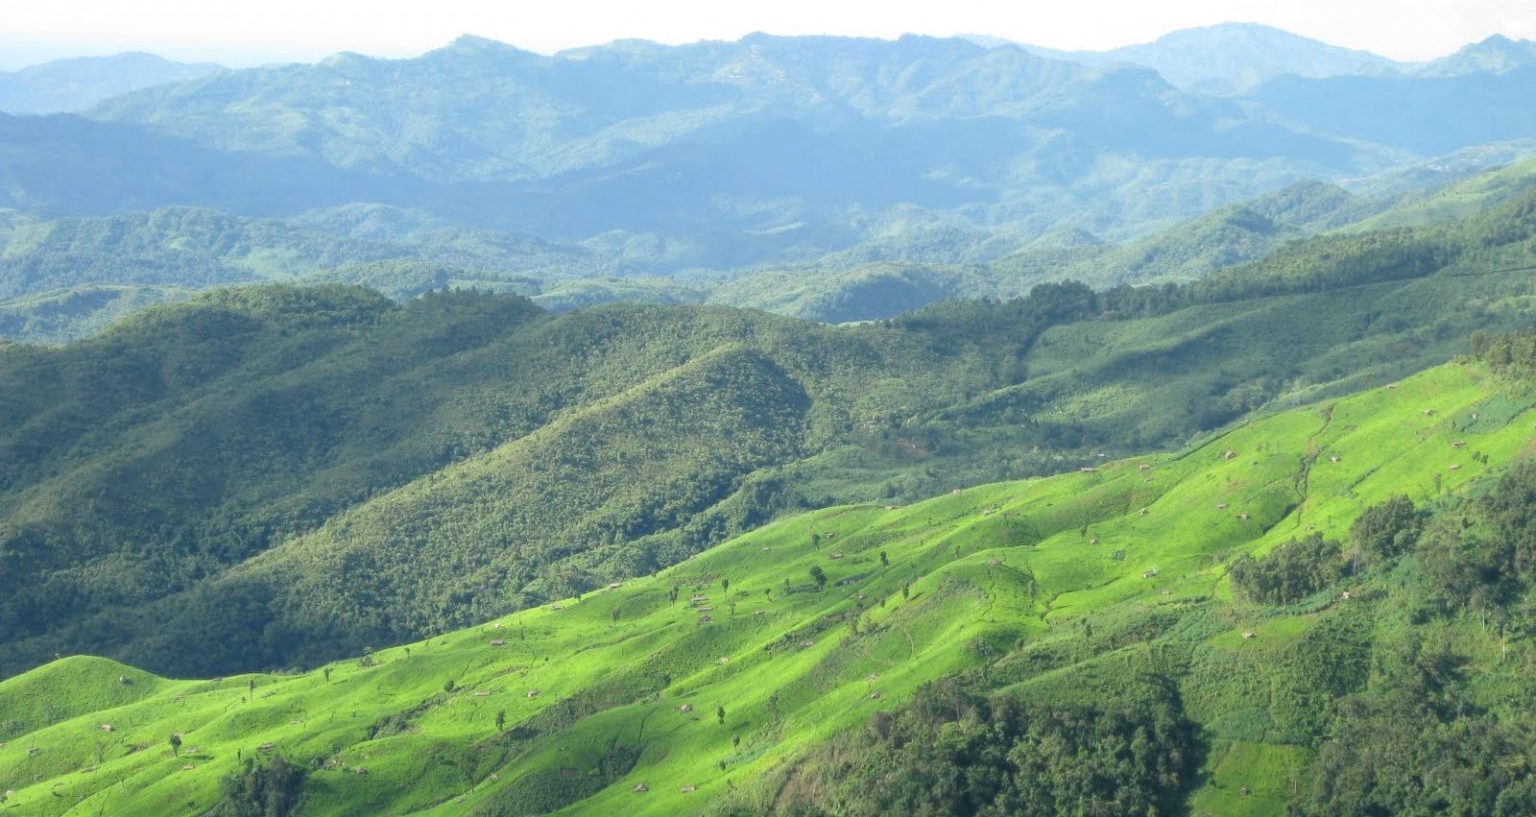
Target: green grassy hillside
pixel 381 452
pixel 705 688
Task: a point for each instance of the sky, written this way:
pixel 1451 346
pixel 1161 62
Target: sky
pixel 251 32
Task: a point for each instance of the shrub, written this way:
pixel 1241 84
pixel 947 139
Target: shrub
pixel 1291 572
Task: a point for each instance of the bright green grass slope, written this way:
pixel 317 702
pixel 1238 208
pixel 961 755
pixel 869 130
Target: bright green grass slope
pixel 623 687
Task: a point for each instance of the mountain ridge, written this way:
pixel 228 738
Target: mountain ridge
pixel 76 83
pixel 711 687
pixel 1230 58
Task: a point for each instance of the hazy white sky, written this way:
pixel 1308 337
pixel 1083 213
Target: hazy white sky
pixel 251 31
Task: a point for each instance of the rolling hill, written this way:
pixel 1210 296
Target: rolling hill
pixel 64 278
pixel 756 677
pixel 321 469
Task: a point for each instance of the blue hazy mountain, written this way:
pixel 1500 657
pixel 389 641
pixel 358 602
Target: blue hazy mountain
pixel 77 83
pixel 1482 94
pixel 767 150
pixel 1234 57
pixel 735 152
pixel 1496 55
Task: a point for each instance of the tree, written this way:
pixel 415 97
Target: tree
pixel 725 585
pixel 273 790
pixel 720 715
pixel 501 720
pixel 1386 530
pixel 818 576
pixel 885 561
pixel 1290 572
pixel 175 742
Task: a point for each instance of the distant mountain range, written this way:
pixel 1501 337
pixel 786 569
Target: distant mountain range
pixel 78 83
pixel 776 164
pixel 1233 57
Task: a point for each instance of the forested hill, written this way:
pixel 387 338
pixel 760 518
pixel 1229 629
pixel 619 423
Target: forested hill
pixel 1325 612
pixel 66 278
pixel 191 438
pixel 277 476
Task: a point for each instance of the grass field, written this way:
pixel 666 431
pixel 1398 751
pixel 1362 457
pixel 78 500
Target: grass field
pixel 712 694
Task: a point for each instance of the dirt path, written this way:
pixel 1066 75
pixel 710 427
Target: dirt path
pixel 1303 480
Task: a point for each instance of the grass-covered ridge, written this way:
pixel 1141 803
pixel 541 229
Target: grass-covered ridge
pixel 323 468
pixel 1061 588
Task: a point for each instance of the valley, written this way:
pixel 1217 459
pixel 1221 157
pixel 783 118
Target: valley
pixel 767 425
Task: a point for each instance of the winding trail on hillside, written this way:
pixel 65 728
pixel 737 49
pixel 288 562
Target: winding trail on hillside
pixel 1303 480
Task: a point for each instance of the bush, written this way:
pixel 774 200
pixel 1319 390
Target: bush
pixel 1290 573
pixel 1386 531
pixel 270 790
pixel 956 752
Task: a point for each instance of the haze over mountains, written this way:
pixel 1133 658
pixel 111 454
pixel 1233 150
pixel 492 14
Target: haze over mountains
pixel 78 83
pixel 677 173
